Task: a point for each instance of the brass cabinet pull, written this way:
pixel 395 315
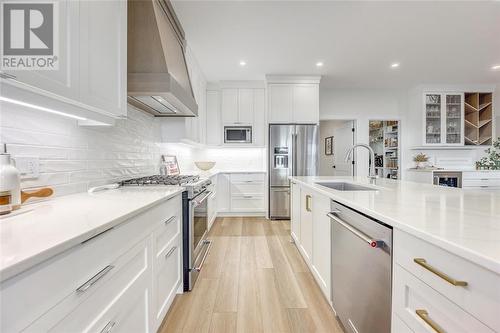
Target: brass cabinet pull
pixel 308 202
pixel 424 264
pixel 424 315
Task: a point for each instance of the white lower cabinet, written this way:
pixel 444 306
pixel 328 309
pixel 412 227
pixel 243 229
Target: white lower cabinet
pixel 126 291
pixel 295 212
pixel 241 193
pixel 456 294
pixel 306 222
pixel 310 229
pixel 321 252
pixel 167 276
pixel 124 279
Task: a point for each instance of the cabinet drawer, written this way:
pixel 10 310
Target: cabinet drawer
pixel 247 177
pixel 490 182
pixel 247 203
pixel 97 305
pixel 166 231
pixel 166 278
pixel 412 296
pixel 30 294
pixel 481 175
pixel 481 295
pixel 247 188
pixel 399 326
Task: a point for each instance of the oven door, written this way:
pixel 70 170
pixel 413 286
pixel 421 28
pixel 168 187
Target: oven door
pixel 237 134
pixel 199 246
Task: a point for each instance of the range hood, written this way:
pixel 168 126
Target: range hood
pixel 158 79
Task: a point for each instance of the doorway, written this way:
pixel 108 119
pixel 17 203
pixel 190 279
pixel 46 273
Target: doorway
pixel 384 136
pixel 336 137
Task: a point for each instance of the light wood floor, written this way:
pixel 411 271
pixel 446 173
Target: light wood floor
pixel 254 280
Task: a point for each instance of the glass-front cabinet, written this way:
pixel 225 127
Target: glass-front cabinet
pixel 443 119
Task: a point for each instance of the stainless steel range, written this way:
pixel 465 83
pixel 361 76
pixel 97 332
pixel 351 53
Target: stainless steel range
pixel 195 244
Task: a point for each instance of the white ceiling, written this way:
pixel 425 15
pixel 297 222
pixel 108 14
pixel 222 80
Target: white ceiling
pixel 435 42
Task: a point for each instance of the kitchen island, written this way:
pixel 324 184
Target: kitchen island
pixel 456 232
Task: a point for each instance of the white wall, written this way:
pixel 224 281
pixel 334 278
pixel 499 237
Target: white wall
pixel 362 105
pixel 73 158
pixel 228 159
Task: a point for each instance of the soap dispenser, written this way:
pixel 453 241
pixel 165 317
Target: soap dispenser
pixel 9 178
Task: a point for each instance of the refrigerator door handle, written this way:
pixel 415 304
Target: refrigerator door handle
pixel 294 154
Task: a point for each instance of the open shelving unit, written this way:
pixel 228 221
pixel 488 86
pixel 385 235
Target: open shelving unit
pixel 478 118
pixel 384 140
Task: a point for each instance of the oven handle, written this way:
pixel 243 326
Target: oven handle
pixel 199 202
pixel 209 244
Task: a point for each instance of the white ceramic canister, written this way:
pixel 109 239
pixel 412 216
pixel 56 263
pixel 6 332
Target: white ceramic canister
pixel 9 179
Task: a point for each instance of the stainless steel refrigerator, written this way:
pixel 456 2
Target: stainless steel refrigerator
pixel 293 151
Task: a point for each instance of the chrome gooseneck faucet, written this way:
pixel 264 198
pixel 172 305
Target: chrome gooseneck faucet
pixel 373 176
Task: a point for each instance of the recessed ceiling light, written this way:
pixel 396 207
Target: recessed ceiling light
pixel 395 65
pixel 243 63
pixel 496 67
pixel 319 64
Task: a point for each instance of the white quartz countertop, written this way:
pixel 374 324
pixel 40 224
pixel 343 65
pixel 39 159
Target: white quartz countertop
pixel 42 230
pixel 464 222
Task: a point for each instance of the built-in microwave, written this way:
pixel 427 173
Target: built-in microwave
pixel 237 134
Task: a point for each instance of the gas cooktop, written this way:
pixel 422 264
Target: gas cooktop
pixel 162 180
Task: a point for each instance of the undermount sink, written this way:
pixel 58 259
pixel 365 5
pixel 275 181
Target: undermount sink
pixel 341 186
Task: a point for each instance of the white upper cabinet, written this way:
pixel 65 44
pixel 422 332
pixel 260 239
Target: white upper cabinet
pixel 229 106
pixel 259 117
pixel 63 81
pixel 92 61
pixel 444 119
pixel 305 104
pixel 103 55
pixel 241 106
pixel 280 103
pixel 246 106
pixel 293 100
pixel 214 126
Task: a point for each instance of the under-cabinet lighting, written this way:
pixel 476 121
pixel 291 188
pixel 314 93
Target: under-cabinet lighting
pixel 496 67
pixel 243 63
pixel 41 108
pixel 319 64
pixel 395 65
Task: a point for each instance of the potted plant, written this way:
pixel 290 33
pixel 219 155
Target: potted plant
pixel 420 159
pixel 492 160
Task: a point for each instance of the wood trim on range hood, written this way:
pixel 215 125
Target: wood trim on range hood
pixel 158 78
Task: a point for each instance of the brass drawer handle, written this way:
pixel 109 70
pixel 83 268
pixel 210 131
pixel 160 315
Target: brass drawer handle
pixel 424 315
pixel 424 264
pixel 308 203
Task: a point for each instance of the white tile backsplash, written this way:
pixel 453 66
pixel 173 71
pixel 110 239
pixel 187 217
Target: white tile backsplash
pixel 73 158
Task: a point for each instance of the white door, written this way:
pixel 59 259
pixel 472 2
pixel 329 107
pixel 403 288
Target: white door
pixel 306 103
pixel 280 103
pixel 343 140
pixel 229 106
pixel 259 118
pixel 63 81
pixel 213 130
pixel 103 55
pixel 245 106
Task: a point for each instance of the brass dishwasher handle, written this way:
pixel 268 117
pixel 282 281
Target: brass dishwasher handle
pixel 424 315
pixel 422 262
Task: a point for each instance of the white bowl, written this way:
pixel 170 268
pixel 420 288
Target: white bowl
pixel 204 165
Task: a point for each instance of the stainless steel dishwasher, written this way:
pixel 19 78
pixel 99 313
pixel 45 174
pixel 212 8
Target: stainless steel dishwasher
pixel 361 270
